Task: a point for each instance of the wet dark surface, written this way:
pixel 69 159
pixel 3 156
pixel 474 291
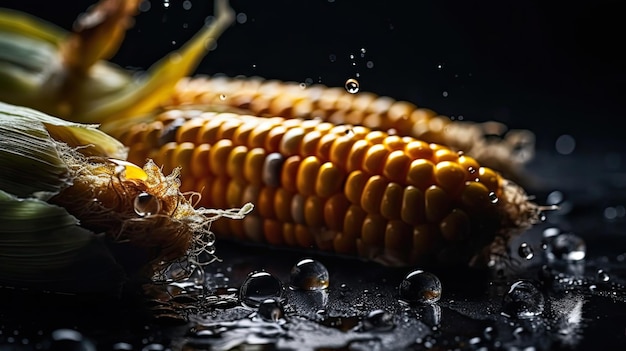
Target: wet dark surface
pixel 551 69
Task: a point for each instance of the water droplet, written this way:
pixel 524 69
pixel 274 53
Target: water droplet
pixel 445 94
pixel 602 276
pixel 258 287
pixel 523 300
pixel 271 310
pixel 565 144
pixel 69 339
pixel 302 85
pixel 420 287
pixel 352 86
pixel 145 6
pixel 308 81
pixel 440 66
pixel 222 97
pixel 309 274
pixel 554 198
pixel 380 320
pixel 187 5
pixel 153 347
pixel 351 56
pixel 493 197
pixel 369 64
pixel 332 57
pixel 146 205
pixel 166 3
pixel 489 333
pixel 567 247
pixel 241 18
pixel 525 251
pixel 122 346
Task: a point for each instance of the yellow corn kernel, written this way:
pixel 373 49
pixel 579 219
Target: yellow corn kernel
pixel 329 180
pixel 391 202
pixel 218 156
pixel 307 175
pixel 289 173
pixel 253 169
pixel 372 194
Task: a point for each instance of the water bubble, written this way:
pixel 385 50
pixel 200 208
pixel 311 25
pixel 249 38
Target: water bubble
pixel 302 85
pixel 146 205
pixel 352 86
pixel 567 247
pixel 271 310
pixel 369 64
pixel 380 320
pixel 187 5
pixel 445 94
pixel 602 276
pixel 222 97
pixel 523 300
pixel 258 287
pixel 420 287
pixel 309 274
pixel 525 251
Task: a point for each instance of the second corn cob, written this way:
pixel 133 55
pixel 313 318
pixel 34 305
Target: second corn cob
pixel 341 188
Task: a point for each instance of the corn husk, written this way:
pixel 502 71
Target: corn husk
pixel 30 158
pixel 42 246
pixel 68 208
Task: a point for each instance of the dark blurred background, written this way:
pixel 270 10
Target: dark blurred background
pixel 555 67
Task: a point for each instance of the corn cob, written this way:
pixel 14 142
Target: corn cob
pixel 508 153
pixel 340 188
pixel 67 77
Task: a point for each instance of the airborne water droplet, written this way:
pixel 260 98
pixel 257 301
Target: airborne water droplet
pixel 420 287
pixel 309 274
pixel 493 197
pixel 258 287
pixel 523 300
pixel 526 251
pixel 352 86
pixel 602 276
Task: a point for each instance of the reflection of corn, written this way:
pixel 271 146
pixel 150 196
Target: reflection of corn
pixel 292 100
pixel 345 189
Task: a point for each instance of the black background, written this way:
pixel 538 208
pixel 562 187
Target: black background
pixel 554 67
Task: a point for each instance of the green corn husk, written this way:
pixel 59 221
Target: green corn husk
pixel 66 74
pixel 42 246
